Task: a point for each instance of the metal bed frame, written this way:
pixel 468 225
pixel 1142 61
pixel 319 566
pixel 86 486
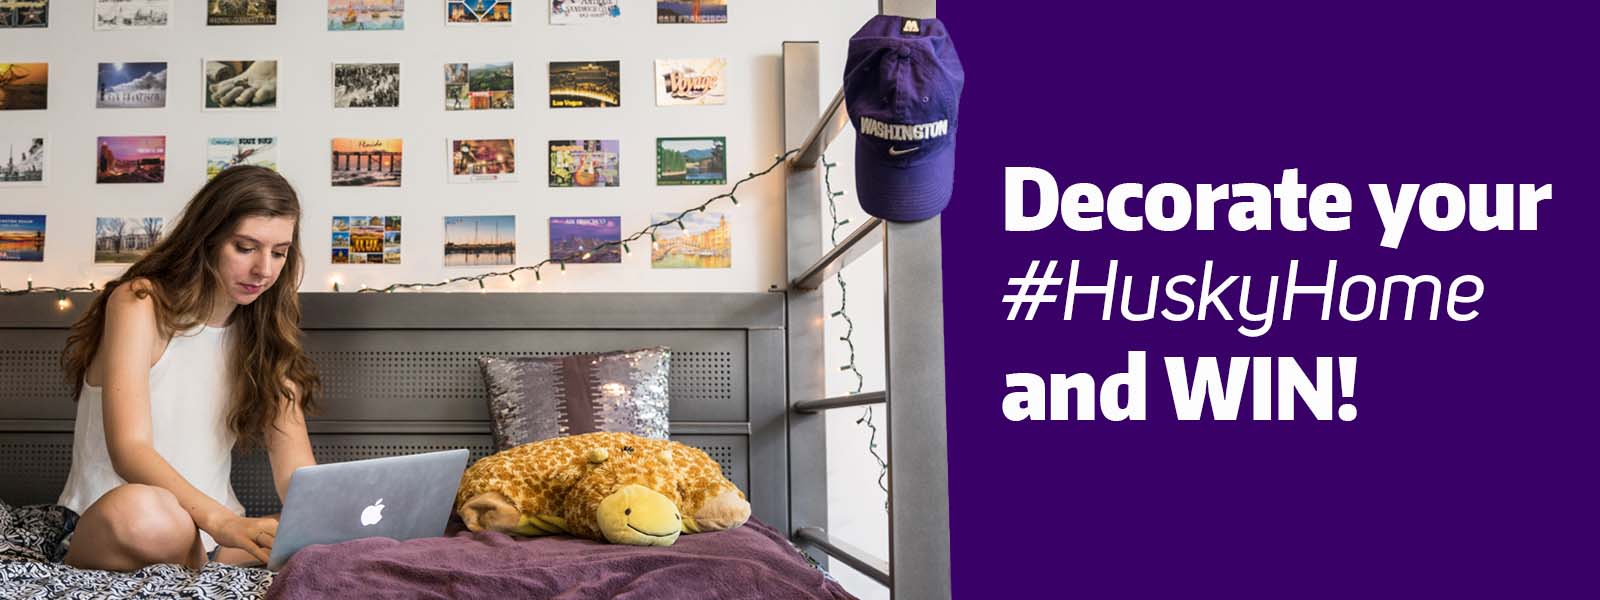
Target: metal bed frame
pixel 747 378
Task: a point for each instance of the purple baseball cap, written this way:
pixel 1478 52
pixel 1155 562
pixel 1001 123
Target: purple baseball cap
pixel 902 83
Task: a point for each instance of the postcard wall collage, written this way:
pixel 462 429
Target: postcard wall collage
pixel 233 82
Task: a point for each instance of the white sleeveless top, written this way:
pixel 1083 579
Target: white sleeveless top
pixel 189 389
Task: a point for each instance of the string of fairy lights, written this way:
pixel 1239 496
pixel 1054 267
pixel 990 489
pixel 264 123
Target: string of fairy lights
pixel 559 262
pixel 866 418
pixel 61 292
pixel 850 328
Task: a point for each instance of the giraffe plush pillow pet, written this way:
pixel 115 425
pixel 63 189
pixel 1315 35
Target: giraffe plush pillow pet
pixel 615 487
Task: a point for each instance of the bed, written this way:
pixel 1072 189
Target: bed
pixel 401 376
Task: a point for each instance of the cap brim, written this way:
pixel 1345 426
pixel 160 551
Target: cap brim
pixel 904 193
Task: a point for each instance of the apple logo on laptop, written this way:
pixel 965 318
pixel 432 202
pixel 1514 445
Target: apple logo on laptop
pixel 372 514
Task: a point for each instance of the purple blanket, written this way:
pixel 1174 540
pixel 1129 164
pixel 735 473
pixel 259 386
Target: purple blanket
pixel 752 561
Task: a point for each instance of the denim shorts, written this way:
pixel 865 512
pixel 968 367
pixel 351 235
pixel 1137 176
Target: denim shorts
pixel 70 526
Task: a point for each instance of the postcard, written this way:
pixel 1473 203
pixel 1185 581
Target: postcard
pixel 585 84
pixel 122 240
pixel 132 159
pixel 691 161
pixel 131 14
pixel 366 15
pixel 241 12
pixel 22 238
pixel 672 12
pixel 583 12
pixel 691 81
pixel 16 14
pixel 477 12
pixel 586 239
pixel 222 153
pixel 241 83
pixel 132 85
pixel 584 163
pixel 702 243
pixel 482 161
pixel 24 161
pixel 24 86
pixel 367 162
pixel 366 85
pixel 479 86
pixel 480 241
pixel 366 240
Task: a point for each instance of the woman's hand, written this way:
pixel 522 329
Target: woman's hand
pixel 251 535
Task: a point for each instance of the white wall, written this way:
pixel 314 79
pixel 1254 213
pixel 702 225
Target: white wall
pixel 305 121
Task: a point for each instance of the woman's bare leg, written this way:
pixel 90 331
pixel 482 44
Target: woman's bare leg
pixel 134 526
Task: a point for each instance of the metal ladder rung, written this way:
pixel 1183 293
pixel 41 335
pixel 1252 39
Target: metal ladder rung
pixel 858 243
pixel 858 559
pixel 816 406
pixel 833 120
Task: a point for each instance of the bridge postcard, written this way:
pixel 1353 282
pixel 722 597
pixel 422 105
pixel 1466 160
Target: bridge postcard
pixel 702 243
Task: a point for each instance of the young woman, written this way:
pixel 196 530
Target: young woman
pixel 196 347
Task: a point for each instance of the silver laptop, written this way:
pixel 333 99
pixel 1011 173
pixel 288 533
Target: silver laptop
pixel 399 497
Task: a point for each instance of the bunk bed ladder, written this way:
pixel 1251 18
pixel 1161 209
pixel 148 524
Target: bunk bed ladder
pixel 918 565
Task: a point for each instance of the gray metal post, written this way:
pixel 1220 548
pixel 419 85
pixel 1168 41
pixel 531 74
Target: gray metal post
pixel 808 455
pixel 769 425
pixel 919 500
pixel 913 291
pixel 921 9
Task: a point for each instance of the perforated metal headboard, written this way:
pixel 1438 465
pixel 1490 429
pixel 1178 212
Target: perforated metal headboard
pixel 400 376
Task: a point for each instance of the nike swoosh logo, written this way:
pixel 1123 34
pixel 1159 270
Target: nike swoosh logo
pixel 898 152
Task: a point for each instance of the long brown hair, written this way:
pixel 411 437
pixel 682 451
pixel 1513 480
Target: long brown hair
pixel 184 281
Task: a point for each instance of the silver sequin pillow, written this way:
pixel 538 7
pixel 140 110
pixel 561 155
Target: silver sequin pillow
pixel 538 398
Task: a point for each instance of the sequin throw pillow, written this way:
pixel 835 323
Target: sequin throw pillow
pixel 538 398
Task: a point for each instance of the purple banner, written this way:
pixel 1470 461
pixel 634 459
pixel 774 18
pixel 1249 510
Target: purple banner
pixel 1449 454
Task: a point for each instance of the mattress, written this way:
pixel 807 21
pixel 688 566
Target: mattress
pixel 751 561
